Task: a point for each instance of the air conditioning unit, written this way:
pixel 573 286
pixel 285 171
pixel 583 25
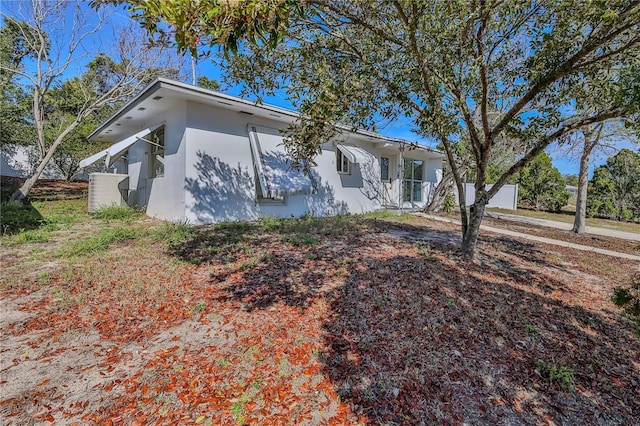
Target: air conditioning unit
pixel 107 189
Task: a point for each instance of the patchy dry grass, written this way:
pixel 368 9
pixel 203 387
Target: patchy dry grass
pixel 350 320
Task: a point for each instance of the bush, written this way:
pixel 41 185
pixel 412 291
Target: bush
pixel 449 203
pixel 541 185
pixel 564 376
pixel 614 189
pixel 629 300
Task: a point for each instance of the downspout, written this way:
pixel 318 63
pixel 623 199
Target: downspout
pixel 400 178
pixel 193 71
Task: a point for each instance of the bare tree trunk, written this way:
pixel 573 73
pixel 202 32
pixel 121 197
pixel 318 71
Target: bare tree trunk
pixel 579 226
pixel 455 171
pixel 439 194
pixel 21 194
pixel 52 58
pixel 591 139
pixel 476 213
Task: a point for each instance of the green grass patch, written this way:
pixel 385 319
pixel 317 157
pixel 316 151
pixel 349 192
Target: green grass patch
pixel 173 233
pixel 98 242
pixel 392 215
pixel 271 224
pixel 36 223
pixel 28 237
pixel 123 213
pixel 16 217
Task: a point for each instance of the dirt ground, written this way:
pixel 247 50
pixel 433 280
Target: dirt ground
pixel 345 321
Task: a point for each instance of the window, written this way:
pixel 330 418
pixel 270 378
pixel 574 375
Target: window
pixel 156 152
pixel 261 197
pixel 384 169
pixel 342 162
pixel 276 178
pixel 412 183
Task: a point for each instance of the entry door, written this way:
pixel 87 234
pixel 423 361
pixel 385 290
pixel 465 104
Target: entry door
pixel 385 177
pixel 412 182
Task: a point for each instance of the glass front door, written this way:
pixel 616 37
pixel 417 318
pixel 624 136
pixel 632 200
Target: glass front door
pixel 412 182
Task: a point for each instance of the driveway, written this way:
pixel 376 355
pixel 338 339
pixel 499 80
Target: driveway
pixel 543 239
pixel 564 225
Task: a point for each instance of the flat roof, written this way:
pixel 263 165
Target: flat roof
pixel 163 94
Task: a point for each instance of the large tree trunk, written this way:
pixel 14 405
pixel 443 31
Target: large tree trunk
pixel 442 189
pixel 579 226
pixel 591 139
pixel 476 213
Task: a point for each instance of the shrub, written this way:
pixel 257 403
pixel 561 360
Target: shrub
pixel 541 185
pixel 449 203
pixel 558 374
pixel 629 300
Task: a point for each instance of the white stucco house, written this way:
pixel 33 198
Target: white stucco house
pixel 190 154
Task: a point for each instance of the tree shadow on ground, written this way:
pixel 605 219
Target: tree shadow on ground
pixel 422 234
pixel 16 218
pixel 415 335
pixel 439 342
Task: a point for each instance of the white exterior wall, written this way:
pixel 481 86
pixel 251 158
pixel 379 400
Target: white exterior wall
pixel 220 178
pixel 209 174
pixel 163 196
pixel 359 191
pixel 505 198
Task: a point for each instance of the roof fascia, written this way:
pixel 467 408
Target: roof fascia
pixel 207 94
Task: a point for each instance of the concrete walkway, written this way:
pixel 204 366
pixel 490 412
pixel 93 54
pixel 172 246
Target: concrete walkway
pixel 539 239
pixel 564 225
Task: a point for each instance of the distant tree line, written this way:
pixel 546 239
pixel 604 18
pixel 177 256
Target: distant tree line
pixel 614 189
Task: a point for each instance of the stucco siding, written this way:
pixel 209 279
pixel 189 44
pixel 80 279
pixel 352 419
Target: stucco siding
pixel 220 176
pixel 219 179
pixel 163 196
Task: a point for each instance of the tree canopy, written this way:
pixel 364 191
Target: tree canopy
pixel 541 185
pixel 614 190
pixel 14 102
pixel 490 72
pixel 36 57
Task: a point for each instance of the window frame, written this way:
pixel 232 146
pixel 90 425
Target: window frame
pixel 411 181
pixel 341 160
pixel 156 148
pixel 388 169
